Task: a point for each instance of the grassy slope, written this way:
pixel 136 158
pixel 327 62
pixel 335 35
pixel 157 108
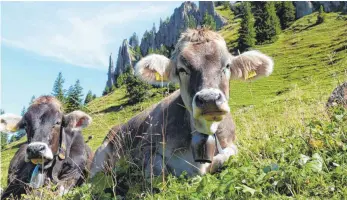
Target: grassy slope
pixel 306 71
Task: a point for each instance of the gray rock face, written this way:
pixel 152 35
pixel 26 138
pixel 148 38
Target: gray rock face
pixel 110 75
pixel 208 7
pixel 171 28
pixel 332 6
pixel 303 8
pixel 306 7
pixel 125 58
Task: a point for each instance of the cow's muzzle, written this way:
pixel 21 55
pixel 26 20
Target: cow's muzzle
pixel 38 153
pixel 210 104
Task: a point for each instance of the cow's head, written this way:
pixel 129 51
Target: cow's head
pixel 46 126
pixel 203 66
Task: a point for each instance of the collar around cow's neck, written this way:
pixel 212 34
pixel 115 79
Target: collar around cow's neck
pixel 61 152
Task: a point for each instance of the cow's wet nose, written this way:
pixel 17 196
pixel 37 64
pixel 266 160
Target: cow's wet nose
pixel 209 99
pixel 35 150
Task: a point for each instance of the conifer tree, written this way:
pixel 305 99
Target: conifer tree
pixel 74 97
pixel 209 21
pixel 88 98
pixel 267 23
pixel 246 32
pixel 58 90
pixel 32 100
pixel 107 89
pixel 191 21
pixel 24 110
pixel 321 15
pixel 286 13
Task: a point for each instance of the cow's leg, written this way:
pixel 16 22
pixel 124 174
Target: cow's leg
pixel 102 158
pixel 220 158
pixel 154 165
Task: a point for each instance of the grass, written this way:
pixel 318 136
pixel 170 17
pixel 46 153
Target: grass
pixel 280 120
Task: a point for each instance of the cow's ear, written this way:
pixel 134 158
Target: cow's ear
pixel 155 69
pixel 251 65
pixel 77 120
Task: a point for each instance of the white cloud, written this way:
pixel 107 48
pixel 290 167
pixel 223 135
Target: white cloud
pixel 83 37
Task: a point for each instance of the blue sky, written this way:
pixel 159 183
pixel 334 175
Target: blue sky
pixel 41 39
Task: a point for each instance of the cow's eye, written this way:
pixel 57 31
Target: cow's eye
pixel 182 70
pixel 226 70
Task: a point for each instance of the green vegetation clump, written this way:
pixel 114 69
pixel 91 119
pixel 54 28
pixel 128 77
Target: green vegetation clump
pixel 3 140
pixel 208 21
pixel 321 15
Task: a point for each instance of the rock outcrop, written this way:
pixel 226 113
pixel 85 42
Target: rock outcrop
pixel 338 97
pixel 331 6
pixel 171 28
pixel 208 7
pixel 125 58
pixel 110 75
pixel 303 8
pixel 307 7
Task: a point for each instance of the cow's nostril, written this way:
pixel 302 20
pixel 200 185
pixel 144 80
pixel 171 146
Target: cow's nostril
pixel 41 148
pixel 199 101
pixel 219 97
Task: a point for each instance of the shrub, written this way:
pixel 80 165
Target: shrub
pixel 321 15
pixel 3 140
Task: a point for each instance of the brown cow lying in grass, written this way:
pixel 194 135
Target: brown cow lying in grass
pixel 55 147
pixel 159 139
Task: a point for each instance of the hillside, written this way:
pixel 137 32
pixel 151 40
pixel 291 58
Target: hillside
pixel 272 117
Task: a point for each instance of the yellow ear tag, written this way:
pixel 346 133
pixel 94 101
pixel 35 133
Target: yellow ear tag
pixel 251 74
pixel 12 128
pixel 159 77
pixel 62 152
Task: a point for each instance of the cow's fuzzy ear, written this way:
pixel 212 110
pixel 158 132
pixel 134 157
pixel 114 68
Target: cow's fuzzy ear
pixel 251 65
pixel 154 69
pixel 77 120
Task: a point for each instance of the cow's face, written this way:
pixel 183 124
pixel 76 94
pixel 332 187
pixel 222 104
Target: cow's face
pixel 45 126
pixel 202 65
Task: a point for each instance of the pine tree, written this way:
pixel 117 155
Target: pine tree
pixel 2 111
pixel 58 90
pixel 107 89
pixel 321 15
pixel 134 40
pixel 74 97
pixel 24 110
pixel 32 100
pixel 286 13
pixel 88 98
pixel 209 22
pixel 267 23
pixel 191 21
pixel 94 96
pixel 246 31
